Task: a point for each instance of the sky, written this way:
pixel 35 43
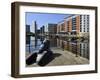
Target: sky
pixel 43 18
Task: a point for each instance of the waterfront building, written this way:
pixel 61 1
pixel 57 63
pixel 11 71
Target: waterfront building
pixel 69 25
pixel 74 25
pixel 62 28
pixel 84 25
pixel 33 27
pixel 50 29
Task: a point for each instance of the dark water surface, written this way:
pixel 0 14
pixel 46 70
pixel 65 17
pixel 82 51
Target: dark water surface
pixel 80 48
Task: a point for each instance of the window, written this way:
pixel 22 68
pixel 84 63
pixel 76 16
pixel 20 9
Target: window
pixel 84 29
pixel 80 29
pixel 87 29
pixel 74 24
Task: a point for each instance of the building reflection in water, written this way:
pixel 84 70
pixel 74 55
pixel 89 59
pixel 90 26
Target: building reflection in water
pixel 79 48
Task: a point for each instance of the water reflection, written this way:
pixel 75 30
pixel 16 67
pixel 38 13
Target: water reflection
pixel 79 48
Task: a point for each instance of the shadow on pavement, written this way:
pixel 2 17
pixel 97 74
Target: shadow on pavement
pixel 47 58
pixel 57 55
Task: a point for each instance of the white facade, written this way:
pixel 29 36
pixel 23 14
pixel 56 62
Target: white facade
pixel 46 28
pixel 84 23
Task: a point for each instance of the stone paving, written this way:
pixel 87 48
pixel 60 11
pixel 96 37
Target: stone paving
pixel 63 58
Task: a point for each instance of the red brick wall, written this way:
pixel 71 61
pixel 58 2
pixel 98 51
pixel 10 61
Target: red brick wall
pixel 69 24
pixel 78 24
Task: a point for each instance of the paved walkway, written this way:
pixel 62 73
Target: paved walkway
pixel 63 58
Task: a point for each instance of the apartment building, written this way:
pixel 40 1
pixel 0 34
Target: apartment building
pixel 84 25
pixel 74 25
pixel 62 27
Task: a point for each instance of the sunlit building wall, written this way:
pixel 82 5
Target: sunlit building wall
pixel 33 27
pixel 84 25
pixel 74 25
